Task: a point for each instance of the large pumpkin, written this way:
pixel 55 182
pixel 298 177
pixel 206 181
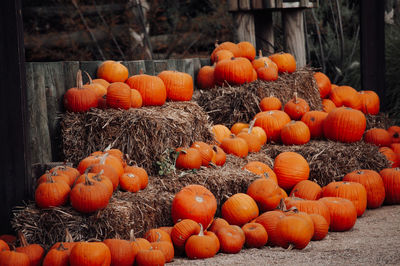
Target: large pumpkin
pixel 179 85
pixel 345 96
pixel 343 214
pixel 391 181
pixel 290 168
pixel 285 62
pixel 237 70
pixel 239 209
pixel 151 88
pixel 90 254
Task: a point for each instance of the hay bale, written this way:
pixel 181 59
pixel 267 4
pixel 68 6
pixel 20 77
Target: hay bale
pixel 230 104
pixel 330 161
pixel 144 133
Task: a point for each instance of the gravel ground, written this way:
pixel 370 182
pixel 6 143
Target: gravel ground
pixel 374 240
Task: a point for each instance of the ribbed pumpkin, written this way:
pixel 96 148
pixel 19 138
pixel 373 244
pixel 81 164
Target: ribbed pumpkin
pixel 119 95
pixel 179 85
pixel 222 55
pixel 307 189
pixel 323 83
pixel 343 214
pixel 80 98
pixel 155 234
pixel 239 209
pixel 270 103
pixel 166 247
pixel 103 82
pixel 265 193
pixel 256 235
pixel 267 73
pixel 194 202
pixel 71 172
pixel 261 60
pixel 139 172
pixel 231 239
pixel 296 107
pixel 391 181
pixel 345 96
pixel 260 168
pixel 205 150
pixel 98 87
pixel 220 156
pixel 373 184
pixel 188 158
pixel 151 88
pixel 355 192
pixel 202 246
pixel 378 136
pixel 181 232
pixel 247 50
pixel 308 206
pixel 315 120
pixel 253 142
pixel 90 254
pixel 129 182
pixel 57 256
pixel 236 146
pixel 136 99
pixel 295 133
pixel 390 156
pixel 370 103
pixel 235 71
pixel 328 105
pixel 321 226
pixel 111 160
pixel 35 252
pixel 290 168
pixel 285 62
pixel 56 177
pixel 121 252
pixel 13 258
pixel 394 132
pixel 220 132
pixel 272 122
pixel 112 71
pixel 230 46
pixel 205 77
pixel 270 220
pixel 294 231
pixel 237 127
pixel 257 131
pixel 345 125
pixel 51 193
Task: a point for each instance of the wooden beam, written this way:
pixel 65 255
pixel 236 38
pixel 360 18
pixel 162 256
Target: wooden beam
pixel 245 27
pixel 373 48
pixel 293 28
pixel 15 177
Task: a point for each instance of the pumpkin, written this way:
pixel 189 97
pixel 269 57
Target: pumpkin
pixel 217 224
pixel 253 142
pixel 323 83
pixel 370 103
pixel 140 173
pixel 295 133
pixel 256 235
pixel 315 120
pixel 355 192
pixel 118 95
pixel 394 132
pixel 150 257
pixel 151 88
pixel 98 87
pixel 345 125
pixel 266 193
pixel 290 168
pixel 56 177
pixel 328 105
pixel 235 71
pixel 182 230
pixel 130 182
pixel 12 258
pixel 136 99
pixel 220 132
pixel 205 150
pixel 391 181
pixel 321 226
pixel 345 96
pixel 68 244
pixel 284 61
pixel 112 71
pixel 9 239
pixel 373 184
pixel 294 231
pixel 239 209
pixel 231 239
pixel 138 244
pixel 103 82
pixel 156 234
pixel 378 136
pixel 307 189
pixel 166 247
pixel 261 60
pixel 230 46
pixel 220 156
pixel 296 107
pixel 272 122
pixel 3 245
pixel 188 158
pixel 247 50
pixel 35 252
pixel 257 131
pixel 270 220
pixel 90 253
pixel 51 193
pixel 100 178
pixel 267 73
pixel 222 55
pixel 235 145
pixel 205 77
pixel 95 159
pixel 121 252
pixel 57 257
pixel 390 155
pixel 308 206
pixel 343 214
pixel 71 172
pixel 237 127
pixel 194 202
pixel 108 171
pixel 179 85
pixel 270 103
pixel 80 98
pixel 202 246
pixel 260 168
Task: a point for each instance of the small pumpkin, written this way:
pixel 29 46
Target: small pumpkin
pixel 272 122
pixel 391 181
pixel 182 231
pixel 179 85
pixel 188 158
pixel 71 172
pixel 202 246
pixel 119 95
pixel 394 132
pixel 231 239
pixel 156 234
pixel 11 258
pixel 290 168
pixel 267 72
pixel 270 103
pixel 150 257
pixel 253 141
pixel 260 168
pixel 237 127
pixel 370 103
pixel 57 257
pixel 205 77
pixel 285 62
pixel 205 150
pixel 307 189
pixel 217 224
pixel 256 235
pixel 270 220
pixel 230 46
pixel 247 50
pixel 328 105
pixel 80 98
pixel 343 214
pixel 257 131
pixel 265 192
pixel 378 136
pixel 296 107
pixel 239 209
pixel 261 60
pixel 295 133
pixel 222 55
pixel 136 99
pixel 51 193
pixel 321 227
pixel 235 145
pixel 166 247
pixel 220 156
pixel 345 96
pixel 140 172
pixel 390 156
pixel 315 121
pixel 308 206
pixel 130 182
pixel 90 254
pixel 294 231
pixel 121 251
pixel 112 71
pixel 35 252
pixel 220 132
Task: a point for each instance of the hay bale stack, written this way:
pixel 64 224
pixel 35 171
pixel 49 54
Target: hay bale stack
pixel 230 104
pixel 330 161
pixel 144 133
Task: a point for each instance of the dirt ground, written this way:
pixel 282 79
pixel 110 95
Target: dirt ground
pixel 374 240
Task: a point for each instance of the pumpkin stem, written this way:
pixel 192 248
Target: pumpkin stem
pixel 87 180
pixel 282 205
pixel 79 82
pixel 89 77
pixel 360 172
pixel 131 175
pixel 290 247
pixel 49 177
pixel 22 239
pixel 132 236
pixel 61 247
pixel 141 72
pixel 159 236
pixel 213 165
pixel 266 64
pixel 201 233
pixel 97 176
pixel 295 98
pixel 251 125
pixel 260 53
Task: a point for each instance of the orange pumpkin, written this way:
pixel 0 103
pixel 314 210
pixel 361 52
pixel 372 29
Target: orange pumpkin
pixel 307 189
pixel 391 181
pixel 151 88
pixel 261 60
pixel 256 235
pixel 222 55
pixel 112 71
pixel 272 122
pixel 394 132
pixel 188 158
pixel 179 85
pixel 284 61
pixel 267 73
pixel 205 77
pixel 247 50
pixel 80 98
pixel 315 120
pixel 328 105
pixel 239 209
pixel 390 156
pixel 323 83
pixel 235 145
pixel 343 214
pixel 230 46
pixel 119 95
pixel 370 103
pixel 296 107
pixel 290 168
pixel 295 133
pixel 266 193
pixel 378 136
pixel 270 103
pixel 345 96
pixel 235 71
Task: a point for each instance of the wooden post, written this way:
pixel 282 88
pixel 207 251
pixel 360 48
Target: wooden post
pixel 373 48
pixel 293 28
pixel 264 31
pixel 245 22
pixel 15 178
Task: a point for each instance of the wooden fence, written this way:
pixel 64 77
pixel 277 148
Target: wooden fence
pixel 48 81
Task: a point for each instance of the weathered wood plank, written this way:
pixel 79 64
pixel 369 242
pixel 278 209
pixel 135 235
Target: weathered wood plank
pixel 149 67
pixel 205 61
pixel 264 28
pixel 233 5
pixel 244 5
pixel 245 27
pixel 293 27
pixel 70 70
pixel 196 67
pixel 90 67
pixel 159 66
pixel 257 4
pixel 134 67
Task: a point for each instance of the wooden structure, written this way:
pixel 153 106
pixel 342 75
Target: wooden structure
pixel 255 24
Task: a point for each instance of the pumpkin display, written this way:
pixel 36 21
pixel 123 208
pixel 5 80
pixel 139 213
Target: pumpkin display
pixel 321 227
pixel 345 96
pixel 205 77
pixel 205 150
pixel 260 168
pixel 112 71
pixel 247 50
pixel 90 253
pixel 235 145
pixel 140 173
pixel 296 107
pixel 235 71
pixel 373 184
pixel 306 189
pixel 51 193
pixel 266 193
pixel 390 156
pixel 345 125
pixel 151 88
pixel 290 168
pixel 378 136
pixel 11 258
pixel 272 122
pixel 270 220
pixel 256 235
pixel 391 181
pixel 370 103
pixel 268 72
pixel 194 202
pixel 179 85
pixel 230 46
pixel 315 120
pixel 239 209
pixel 295 133
pixel 118 95
pixel 343 214
pixel 202 246
pixel 323 83
pixel 80 98
pixel 328 105
pixel 121 252
pixel 270 103
pixel 231 239
pixel 308 206
pixel 35 252
pixel 294 231
pixel 220 132
pixel 261 60
pixel 188 158
pixel 394 132
pixel 285 62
